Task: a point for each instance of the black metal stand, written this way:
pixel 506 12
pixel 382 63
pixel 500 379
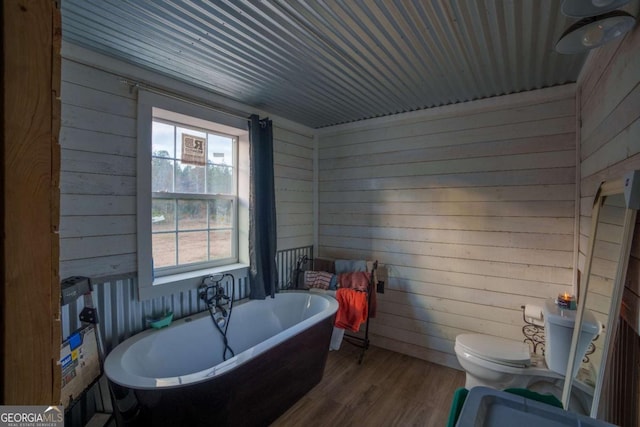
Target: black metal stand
pixel 363 342
pixel 302 260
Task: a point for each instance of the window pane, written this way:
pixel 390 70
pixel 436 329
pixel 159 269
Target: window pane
pixel 192 246
pixel 220 150
pixel 189 178
pixel 220 213
pixel 163 216
pixel 162 140
pixel 192 214
pixel 164 250
pixel 219 179
pixel 219 244
pixel 179 132
pixel 190 227
pixel 161 175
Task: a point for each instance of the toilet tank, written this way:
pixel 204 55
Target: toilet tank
pixel 558 329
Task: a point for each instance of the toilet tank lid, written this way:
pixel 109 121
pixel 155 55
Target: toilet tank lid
pixel 567 318
pixel 495 348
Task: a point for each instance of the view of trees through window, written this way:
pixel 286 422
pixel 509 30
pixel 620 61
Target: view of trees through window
pixel 193 205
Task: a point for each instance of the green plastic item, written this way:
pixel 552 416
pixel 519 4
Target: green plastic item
pixel 549 399
pixel 460 395
pixel 161 322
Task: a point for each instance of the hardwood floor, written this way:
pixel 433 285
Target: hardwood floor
pixel 388 389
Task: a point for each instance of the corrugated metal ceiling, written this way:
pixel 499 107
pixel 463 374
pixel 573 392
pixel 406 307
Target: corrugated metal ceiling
pixel 321 63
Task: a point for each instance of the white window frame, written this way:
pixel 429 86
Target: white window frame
pixel 180 278
pixel 163 116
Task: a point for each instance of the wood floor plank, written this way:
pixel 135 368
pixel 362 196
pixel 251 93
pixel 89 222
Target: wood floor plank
pixel 388 389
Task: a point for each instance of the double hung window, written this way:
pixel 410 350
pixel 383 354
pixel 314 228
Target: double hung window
pixel 194 197
pixel 192 193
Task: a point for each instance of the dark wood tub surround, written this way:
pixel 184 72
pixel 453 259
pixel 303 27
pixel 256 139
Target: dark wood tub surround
pixel 253 394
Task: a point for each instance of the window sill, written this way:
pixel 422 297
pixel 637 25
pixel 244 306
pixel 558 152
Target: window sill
pixel 176 283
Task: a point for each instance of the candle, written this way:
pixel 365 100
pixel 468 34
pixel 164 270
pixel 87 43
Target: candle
pixel 566 301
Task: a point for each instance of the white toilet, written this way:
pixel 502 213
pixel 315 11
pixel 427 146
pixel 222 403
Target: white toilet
pixel 503 363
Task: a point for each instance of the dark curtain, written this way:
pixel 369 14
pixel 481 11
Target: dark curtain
pixel 262 205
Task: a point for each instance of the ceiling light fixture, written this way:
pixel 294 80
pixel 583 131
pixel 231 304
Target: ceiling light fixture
pixel 584 8
pixel 589 33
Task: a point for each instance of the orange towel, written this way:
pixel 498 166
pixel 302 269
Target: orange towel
pixel 352 309
pixel 359 280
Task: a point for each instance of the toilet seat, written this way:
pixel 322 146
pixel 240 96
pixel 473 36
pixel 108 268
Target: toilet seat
pixel 502 363
pixel 496 350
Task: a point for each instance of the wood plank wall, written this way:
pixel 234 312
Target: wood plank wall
pixel 471 208
pixel 30 296
pixel 293 170
pixel 609 93
pixel 98 179
pixel 609 89
pixel 98 183
pixel 609 112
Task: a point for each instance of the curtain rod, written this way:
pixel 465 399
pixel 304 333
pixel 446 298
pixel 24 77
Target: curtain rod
pixel 164 92
pixel 230 112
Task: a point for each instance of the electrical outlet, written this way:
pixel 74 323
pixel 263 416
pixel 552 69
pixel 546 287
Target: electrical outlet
pixel 380 287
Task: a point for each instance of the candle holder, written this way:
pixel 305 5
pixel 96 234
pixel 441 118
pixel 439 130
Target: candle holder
pixel 566 301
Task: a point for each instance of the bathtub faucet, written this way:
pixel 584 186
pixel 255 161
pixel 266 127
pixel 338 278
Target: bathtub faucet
pixel 221 309
pixel 214 296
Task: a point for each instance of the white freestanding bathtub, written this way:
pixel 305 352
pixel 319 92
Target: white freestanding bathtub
pixel 177 376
